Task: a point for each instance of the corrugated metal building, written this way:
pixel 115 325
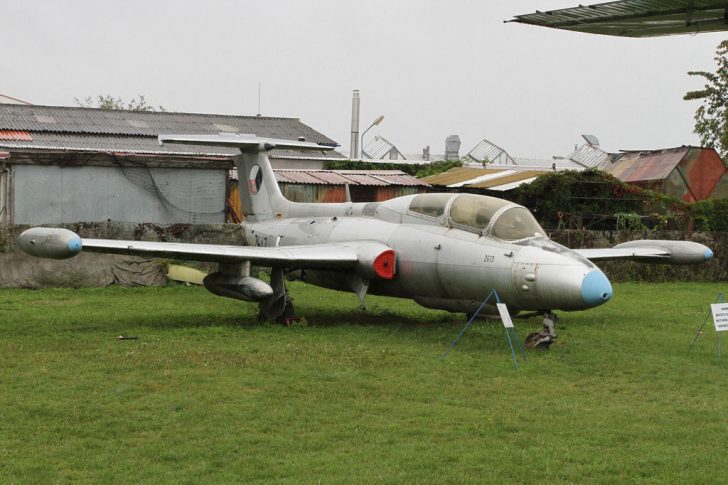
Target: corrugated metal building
pixel 332 186
pixel 688 173
pixel 70 164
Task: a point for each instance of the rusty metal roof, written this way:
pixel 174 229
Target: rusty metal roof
pixel 652 165
pixel 93 121
pixel 365 179
pixel 319 177
pixel 636 18
pixel 350 177
pixel 139 145
pixel 109 143
pixel 15 135
pixel 119 131
pixel 395 177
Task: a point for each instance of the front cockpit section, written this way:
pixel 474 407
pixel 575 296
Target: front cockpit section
pixel 483 215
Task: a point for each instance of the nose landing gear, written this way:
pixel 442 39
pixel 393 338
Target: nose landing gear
pixel 544 338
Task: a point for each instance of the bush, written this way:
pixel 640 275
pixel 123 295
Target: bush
pixel 596 200
pixel 710 215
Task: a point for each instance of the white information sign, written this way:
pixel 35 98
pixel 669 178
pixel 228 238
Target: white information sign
pixel 720 316
pixel 505 316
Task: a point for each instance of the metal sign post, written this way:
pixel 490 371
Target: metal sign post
pixel 507 324
pixel 719 312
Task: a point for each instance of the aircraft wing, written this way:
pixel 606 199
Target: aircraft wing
pixel 603 254
pixel 369 258
pixel 311 256
pixel 652 251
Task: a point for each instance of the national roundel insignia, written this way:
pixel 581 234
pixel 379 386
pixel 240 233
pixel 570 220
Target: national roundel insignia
pixel 255 179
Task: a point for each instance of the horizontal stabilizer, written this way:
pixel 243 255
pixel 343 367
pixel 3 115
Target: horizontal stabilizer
pixel 246 143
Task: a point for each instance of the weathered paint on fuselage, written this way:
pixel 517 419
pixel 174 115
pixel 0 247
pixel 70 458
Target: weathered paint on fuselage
pixel 437 266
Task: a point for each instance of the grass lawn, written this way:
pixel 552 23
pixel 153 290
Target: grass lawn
pixel 206 394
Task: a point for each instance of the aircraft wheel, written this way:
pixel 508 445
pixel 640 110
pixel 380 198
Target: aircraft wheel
pixel 539 340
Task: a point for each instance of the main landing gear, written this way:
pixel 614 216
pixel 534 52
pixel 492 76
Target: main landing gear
pixel 544 338
pixel 278 307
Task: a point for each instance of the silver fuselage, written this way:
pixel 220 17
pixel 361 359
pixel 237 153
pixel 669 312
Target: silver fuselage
pixel 437 265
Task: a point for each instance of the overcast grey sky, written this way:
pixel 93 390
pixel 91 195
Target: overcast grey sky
pixel 432 68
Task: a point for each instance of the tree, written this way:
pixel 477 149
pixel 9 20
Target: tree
pixel 108 101
pixel 711 117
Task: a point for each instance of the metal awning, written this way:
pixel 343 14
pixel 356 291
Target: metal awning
pixel 636 18
pixel 492 179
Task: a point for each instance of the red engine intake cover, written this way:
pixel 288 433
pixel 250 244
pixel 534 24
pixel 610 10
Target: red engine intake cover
pixel 384 265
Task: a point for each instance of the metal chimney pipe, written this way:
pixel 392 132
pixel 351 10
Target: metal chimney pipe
pixel 354 146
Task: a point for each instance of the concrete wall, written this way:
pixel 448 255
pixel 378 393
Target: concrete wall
pixel 55 194
pixel 17 269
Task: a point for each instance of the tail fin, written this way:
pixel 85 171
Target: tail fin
pixel 260 195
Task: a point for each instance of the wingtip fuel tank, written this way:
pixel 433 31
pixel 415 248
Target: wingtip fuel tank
pixel 680 252
pixel 50 242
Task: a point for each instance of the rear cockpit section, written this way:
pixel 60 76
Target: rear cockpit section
pixel 486 216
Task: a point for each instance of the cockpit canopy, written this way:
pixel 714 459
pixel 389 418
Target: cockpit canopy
pixel 484 215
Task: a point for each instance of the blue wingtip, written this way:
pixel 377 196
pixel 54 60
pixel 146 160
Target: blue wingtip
pixel 75 245
pixel 708 254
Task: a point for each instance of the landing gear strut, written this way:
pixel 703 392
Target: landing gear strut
pixel 544 338
pixel 278 307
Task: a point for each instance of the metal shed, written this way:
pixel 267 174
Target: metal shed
pixel 332 185
pixel 688 173
pixel 67 164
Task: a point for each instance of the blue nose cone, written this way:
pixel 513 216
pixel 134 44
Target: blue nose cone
pixel 708 255
pixel 596 288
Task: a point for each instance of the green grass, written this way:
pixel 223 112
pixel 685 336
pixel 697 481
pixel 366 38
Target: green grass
pixel 207 394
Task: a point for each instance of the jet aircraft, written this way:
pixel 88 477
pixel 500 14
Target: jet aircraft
pixel 442 250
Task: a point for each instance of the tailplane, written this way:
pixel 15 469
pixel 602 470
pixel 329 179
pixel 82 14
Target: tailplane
pixel 260 195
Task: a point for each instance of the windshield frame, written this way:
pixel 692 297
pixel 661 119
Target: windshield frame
pixel 489 231
pixel 470 204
